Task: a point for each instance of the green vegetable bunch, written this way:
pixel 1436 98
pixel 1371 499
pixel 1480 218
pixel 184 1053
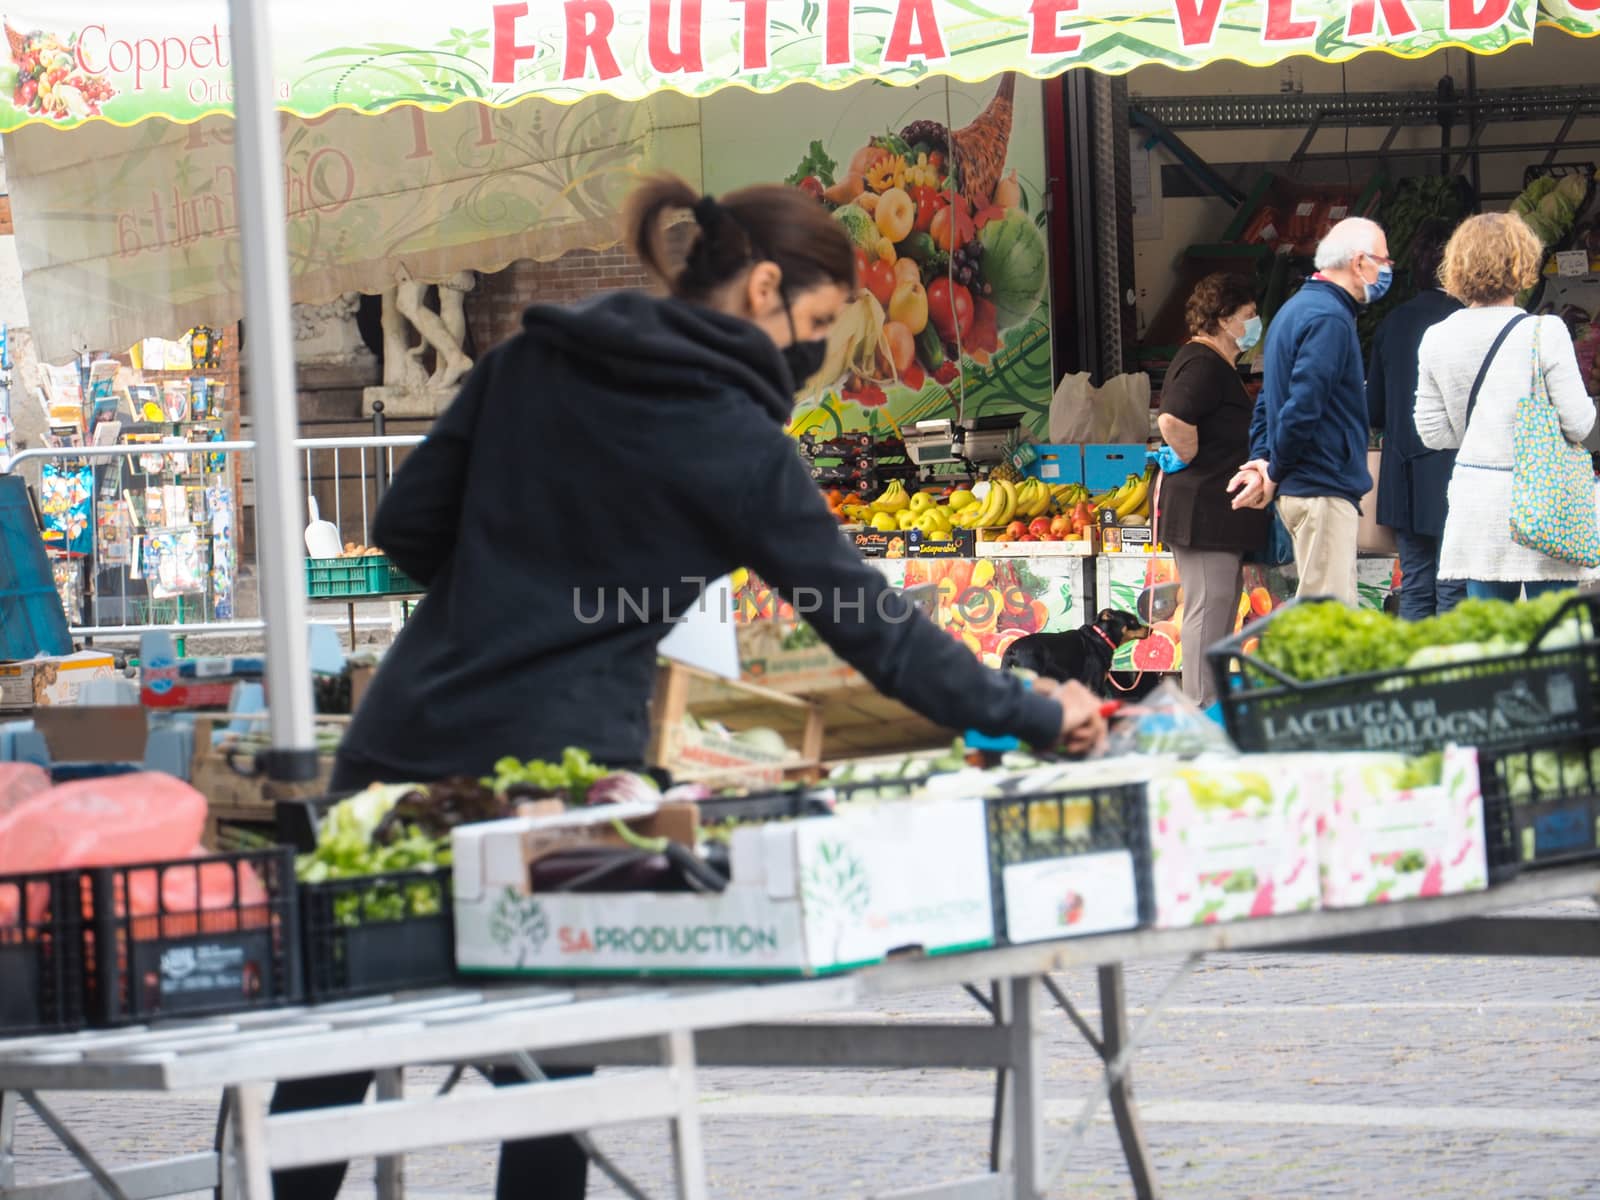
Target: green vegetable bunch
pixel 569 779
pixel 1312 642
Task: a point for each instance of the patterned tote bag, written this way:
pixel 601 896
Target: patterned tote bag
pixel 1552 481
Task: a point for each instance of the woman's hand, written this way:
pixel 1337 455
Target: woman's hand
pixel 1082 726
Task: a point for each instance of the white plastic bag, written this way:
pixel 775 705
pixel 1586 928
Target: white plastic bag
pixel 1116 412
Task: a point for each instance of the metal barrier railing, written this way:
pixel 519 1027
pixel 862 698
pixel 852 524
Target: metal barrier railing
pixel 347 475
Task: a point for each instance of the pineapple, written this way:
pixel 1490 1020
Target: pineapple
pixel 1005 468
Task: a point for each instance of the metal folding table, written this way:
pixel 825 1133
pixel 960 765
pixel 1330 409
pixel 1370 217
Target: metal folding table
pixel 672 1030
pixel 246 1055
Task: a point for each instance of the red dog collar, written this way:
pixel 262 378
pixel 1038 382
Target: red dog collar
pixel 1104 637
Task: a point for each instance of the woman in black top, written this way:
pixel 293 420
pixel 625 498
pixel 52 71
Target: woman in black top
pixel 593 473
pixel 1205 419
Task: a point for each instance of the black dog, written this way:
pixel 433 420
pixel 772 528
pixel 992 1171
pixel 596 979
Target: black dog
pixel 1083 654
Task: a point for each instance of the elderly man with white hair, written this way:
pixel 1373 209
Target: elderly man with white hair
pixel 1308 436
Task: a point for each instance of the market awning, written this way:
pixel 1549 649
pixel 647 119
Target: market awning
pixel 125 232
pixel 473 136
pixel 82 61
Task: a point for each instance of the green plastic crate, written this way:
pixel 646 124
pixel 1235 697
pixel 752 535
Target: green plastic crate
pixel 369 575
pixel 364 576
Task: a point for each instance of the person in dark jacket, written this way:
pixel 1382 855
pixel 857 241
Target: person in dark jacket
pixel 1205 419
pixel 592 475
pixel 1413 480
pixel 1308 436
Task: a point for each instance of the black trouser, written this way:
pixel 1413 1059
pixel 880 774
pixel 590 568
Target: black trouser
pixel 547 1168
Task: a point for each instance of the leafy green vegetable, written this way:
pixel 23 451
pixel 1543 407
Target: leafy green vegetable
pixel 816 162
pixel 1311 642
pixel 1014 266
pixel 570 779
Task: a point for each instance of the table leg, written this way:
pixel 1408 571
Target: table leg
pixel 252 1176
pixel 8 1138
pixel 391 1167
pixel 1114 1036
pixel 688 1151
pixel 1025 1091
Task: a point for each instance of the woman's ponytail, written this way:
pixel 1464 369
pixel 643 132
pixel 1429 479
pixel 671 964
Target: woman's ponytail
pixel 762 223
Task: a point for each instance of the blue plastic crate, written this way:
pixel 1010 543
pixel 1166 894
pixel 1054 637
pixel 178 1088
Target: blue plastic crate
pixel 1108 466
pixel 1056 464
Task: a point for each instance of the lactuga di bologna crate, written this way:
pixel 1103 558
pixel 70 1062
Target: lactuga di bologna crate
pixel 1487 716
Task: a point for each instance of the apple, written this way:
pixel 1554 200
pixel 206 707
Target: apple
pixel 1027 537
pixel 1060 527
pixel 1017 529
pixel 1039 527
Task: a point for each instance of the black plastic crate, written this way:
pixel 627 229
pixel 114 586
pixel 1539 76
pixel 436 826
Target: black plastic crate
pixel 378 933
pixel 1063 824
pixel 1503 703
pixel 152 950
pixel 1541 806
pixel 41 954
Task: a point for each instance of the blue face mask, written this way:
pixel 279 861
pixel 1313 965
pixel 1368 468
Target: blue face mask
pixel 1251 334
pixel 1379 287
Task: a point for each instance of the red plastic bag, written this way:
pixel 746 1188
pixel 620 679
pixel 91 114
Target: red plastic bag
pixel 144 817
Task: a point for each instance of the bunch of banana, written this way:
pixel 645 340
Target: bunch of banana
pixel 1067 496
pixel 1132 499
pixel 893 500
pixel 997 508
pixel 1033 498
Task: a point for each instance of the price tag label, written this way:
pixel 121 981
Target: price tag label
pixel 1572 263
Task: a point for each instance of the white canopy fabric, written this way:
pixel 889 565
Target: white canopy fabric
pixel 123 233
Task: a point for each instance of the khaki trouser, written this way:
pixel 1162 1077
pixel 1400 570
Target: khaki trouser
pixel 1324 530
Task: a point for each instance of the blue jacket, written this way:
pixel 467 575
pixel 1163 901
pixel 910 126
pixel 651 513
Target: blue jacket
pixel 1413 479
pixel 1310 422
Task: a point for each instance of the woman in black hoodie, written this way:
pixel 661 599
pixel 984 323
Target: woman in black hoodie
pixel 593 473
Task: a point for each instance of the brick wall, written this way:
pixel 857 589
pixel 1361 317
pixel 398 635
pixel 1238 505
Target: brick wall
pixel 494 308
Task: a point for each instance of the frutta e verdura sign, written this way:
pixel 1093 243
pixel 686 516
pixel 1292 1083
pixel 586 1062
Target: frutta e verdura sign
pixel 81 60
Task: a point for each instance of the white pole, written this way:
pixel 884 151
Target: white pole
pixel 258 151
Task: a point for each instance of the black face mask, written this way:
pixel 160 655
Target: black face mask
pixel 804 359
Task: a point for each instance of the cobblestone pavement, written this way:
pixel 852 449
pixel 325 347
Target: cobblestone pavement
pixel 1272 1076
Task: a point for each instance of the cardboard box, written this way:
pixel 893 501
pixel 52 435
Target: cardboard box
pixel 987 547
pixel 1234 838
pixel 94 733
pixel 807 897
pixel 51 680
pixel 1377 845
pixel 772 653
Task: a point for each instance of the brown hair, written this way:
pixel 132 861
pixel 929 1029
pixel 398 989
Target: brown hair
pixel 1215 297
pixel 1491 257
pixel 764 223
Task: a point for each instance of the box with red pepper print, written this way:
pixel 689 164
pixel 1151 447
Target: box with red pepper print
pixel 1234 838
pixel 1392 828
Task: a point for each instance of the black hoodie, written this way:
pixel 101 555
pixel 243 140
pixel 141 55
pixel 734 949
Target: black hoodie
pixel 627 443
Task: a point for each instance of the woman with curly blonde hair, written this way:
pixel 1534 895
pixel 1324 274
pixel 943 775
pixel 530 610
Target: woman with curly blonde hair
pixel 1488 260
